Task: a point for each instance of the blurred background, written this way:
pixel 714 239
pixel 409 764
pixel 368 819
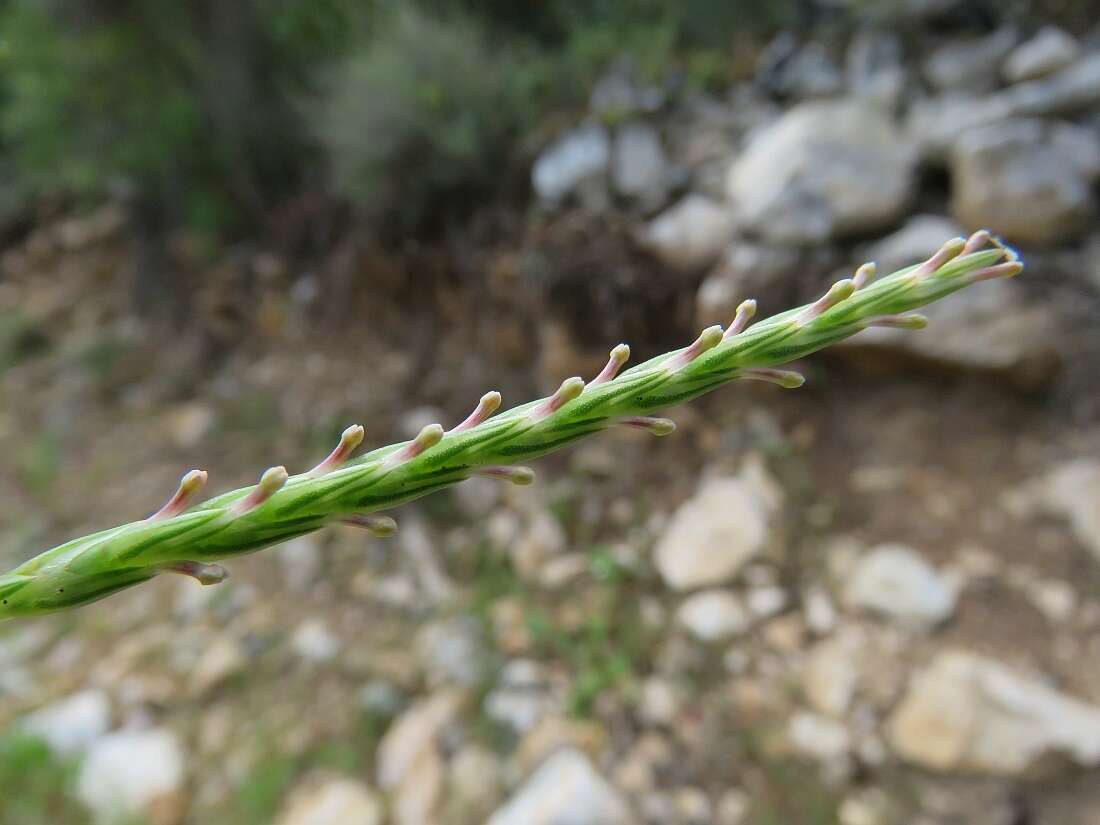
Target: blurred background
pixel 230 229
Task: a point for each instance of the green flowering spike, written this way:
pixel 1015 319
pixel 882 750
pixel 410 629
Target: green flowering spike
pixel 187 538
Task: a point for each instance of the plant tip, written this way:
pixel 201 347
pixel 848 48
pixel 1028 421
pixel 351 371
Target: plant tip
pixel 190 484
pixel 653 426
pixel 840 291
pixel 620 354
pixel 788 379
pixel 486 406
pixel 381 526
pixel 864 275
pixel 745 312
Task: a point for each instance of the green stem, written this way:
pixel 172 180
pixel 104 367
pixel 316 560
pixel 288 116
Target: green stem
pixel 186 538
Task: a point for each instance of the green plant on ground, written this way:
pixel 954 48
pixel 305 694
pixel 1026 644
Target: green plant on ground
pixel 258 793
pixel 605 651
pixel 608 649
pixel 795 793
pixel 188 538
pixel 37 783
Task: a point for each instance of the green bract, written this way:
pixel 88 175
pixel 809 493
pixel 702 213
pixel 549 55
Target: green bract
pixel 186 538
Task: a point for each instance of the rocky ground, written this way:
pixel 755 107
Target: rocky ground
pixel 873 601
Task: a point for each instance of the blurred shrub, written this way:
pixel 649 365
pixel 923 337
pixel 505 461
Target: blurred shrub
pixel 695 22
pixel 199 110
pixel 78 110
pixel 185 105
pixel 587 34
pixel 659 34
pixel 420 114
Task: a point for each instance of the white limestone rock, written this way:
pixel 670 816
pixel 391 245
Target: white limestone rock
pixel 825 169
pixel 580 158
pixel 691 234
pixel 1050 50
pixel 967 713
pixel 335 801
pixel 564 790
pixel 716 532
pixel 132 773
pixel 894 581
pixel 714 615
pixel 71 725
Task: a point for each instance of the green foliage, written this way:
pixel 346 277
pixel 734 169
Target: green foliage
pixel 584 35
pixel 256 799
pixel 422 112
pixel 200 109
pixel 610 649
pixel 259 793
pixel 791 790
pixel 262 790
pixel 692 22
pixel 36 783
pixel 419 112
pixel 187 105
pixel 605 652
pixel 304 35
pixel 78 107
